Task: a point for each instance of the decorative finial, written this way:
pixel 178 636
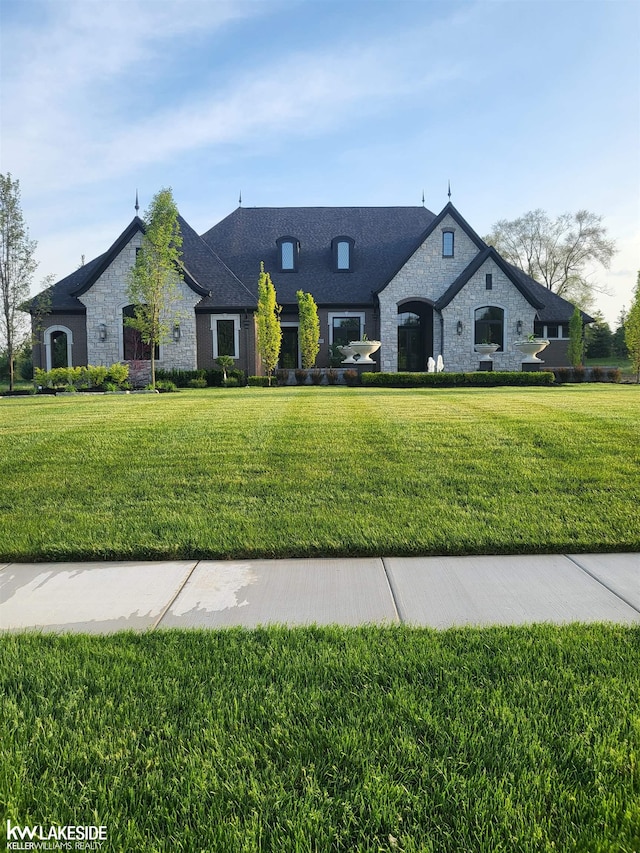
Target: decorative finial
pixel 423 198
pixel 449 191
pixel 137 206
pixel 240 199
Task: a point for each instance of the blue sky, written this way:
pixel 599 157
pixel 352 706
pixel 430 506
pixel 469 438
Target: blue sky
pixel 521 105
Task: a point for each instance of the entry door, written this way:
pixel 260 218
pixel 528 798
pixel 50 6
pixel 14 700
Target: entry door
pixel 289 348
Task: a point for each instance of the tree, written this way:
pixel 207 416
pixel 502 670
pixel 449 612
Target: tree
pixel 269 333
pixel 618 343
pixel 576 344
pixel 598 338
pixel 632 330
pixel 17 266
pixel 154 278
pixel 556 252
pixel 309 329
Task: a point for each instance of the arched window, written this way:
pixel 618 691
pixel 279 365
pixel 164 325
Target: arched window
pixel 489 326
pixel 288 251
pixel 133 347
pixel 447 244
pixel 342 250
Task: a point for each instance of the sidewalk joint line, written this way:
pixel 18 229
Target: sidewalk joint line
pixel 156 624
pixel 392 591
pixel 602 583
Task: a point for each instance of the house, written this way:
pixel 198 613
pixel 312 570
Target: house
pixel 423 284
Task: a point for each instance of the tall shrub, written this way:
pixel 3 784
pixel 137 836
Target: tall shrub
pixel 268 330
pixel 632 330
pixel 309 329
pixel 575 338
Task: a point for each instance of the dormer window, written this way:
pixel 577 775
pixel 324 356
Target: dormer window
pixel 288 251
pixel 342 249
pixel 447 244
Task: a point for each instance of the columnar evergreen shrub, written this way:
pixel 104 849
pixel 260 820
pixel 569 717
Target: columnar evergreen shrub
pixel 309 329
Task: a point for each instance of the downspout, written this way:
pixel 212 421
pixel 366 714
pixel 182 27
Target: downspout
pixel 441 334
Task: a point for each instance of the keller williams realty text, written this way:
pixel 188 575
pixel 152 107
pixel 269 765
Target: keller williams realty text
pixel 58 837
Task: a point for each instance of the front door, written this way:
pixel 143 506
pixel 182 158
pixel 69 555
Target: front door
pixel 289 348
pixel 415 336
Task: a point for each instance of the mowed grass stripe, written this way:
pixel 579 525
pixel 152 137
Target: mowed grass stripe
pixel 320 471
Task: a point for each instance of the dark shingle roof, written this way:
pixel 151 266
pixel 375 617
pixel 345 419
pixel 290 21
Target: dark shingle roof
pixel 384 237
pixel 223 265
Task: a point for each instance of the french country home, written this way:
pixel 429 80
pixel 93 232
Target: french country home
pixel 422 284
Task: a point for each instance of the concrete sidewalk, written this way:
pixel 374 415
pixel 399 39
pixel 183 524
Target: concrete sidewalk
pixel 438 592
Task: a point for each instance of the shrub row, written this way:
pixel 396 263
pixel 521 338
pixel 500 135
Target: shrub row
pixel 588 374
pixel 79 378
pixel 477 379
pixel 213 378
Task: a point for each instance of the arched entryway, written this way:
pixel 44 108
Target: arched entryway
pixel 415 335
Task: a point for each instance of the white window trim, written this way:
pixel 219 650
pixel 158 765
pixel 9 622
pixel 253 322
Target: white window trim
pixel 47 344
pixel 548 337
pixel 334 314
pixel 236 333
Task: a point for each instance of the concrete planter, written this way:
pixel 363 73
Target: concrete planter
pixel 530 349
pixel 364 350
pixel 486 351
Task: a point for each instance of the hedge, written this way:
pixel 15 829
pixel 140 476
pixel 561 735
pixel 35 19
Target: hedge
pixel 478 379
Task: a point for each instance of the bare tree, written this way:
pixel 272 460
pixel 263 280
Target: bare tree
pixel 17 266
pixel 556 252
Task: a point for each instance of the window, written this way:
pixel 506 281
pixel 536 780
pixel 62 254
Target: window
pixel 551 331
pixel 342 249
pixel 225 329
pixel 59 349
pixel 134 348
pixel 488 281
pixel 345 329
pixel 489 326
pixel 288 251
pixel 447 244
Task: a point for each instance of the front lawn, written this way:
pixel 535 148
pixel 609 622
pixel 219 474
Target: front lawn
pixel 344 740
pixel 259 472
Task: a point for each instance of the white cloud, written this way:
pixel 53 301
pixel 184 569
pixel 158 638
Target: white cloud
pixel 65 134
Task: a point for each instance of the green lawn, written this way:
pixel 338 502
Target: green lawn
pixel 484 741
pixel 279 472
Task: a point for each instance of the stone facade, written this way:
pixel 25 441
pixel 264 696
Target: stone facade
pixel 104 303
pixel 425 277
pixel 459 353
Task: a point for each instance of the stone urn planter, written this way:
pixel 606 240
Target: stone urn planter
pixel 530 349
pixel 486 351
pixel 348 352
pixel 364 350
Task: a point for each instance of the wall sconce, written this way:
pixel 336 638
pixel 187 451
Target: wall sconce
pixel 176 332
pixel 102 332
pixel 459 327
pixel 519 327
